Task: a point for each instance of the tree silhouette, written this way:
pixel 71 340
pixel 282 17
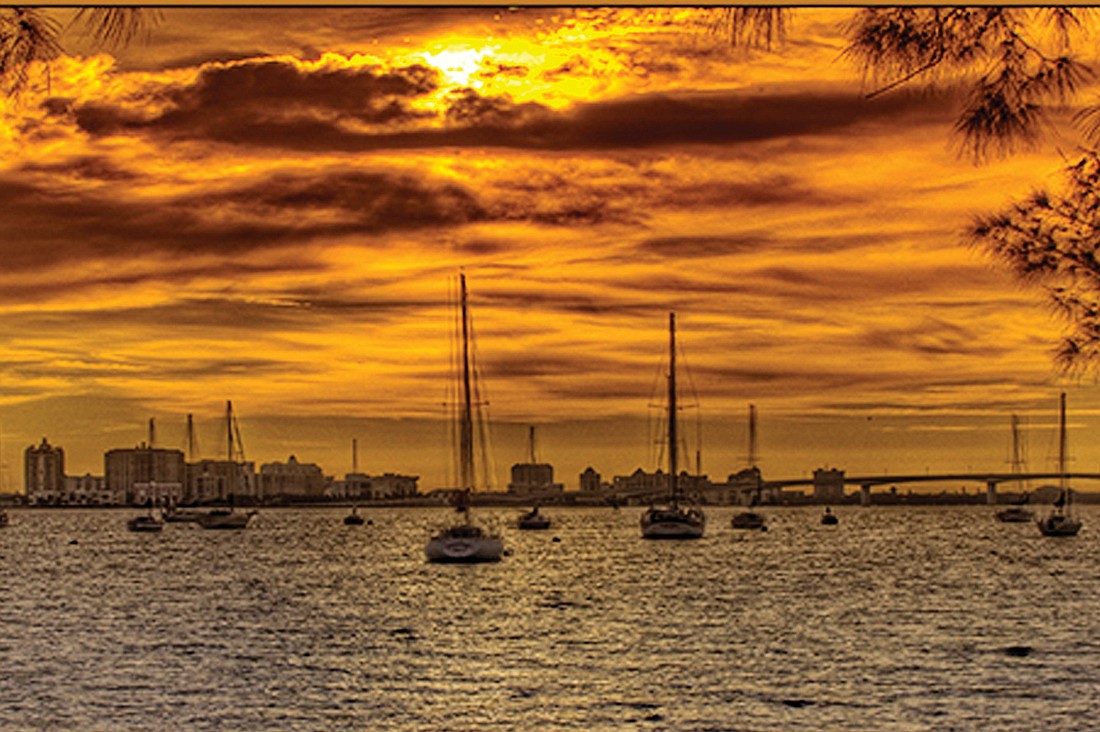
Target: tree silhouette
pixel 1014 64
pixel 31 35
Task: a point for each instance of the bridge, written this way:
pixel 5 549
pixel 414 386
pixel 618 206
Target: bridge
pixel 740 491
pixel 991 480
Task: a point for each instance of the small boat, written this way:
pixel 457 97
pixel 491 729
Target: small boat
pixel 4 518
pixel 750 520
pixel 146 522
pixel 829 518
pixel 465 543
pixel 224 519
pixel 534 520
pixel 1061 521
pixel 673 520
pixel 353 518
pixel 1015 515
pixel 175 515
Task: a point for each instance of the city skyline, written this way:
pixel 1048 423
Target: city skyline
pixel 270 205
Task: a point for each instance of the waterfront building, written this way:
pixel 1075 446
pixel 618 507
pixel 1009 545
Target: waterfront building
pixel 590 481
pixel 292 478
pixel 44 473
pixel 829 485
pixel 641 482
pixel 88 490
pixel 392 485
pixel 353 485
pixel 387 486
pixel 134 474
pixel 215 481
pixel 528 478
pixel 746 488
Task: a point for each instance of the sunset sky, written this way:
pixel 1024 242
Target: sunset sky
pixel 271 206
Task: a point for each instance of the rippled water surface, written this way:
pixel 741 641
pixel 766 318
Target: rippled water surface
pixel 897 619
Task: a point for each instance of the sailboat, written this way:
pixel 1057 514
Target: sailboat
pixel 1061 521
pixel 673 520
pixel 533 519
pixel 465 542
pixel 146 521
pixel 227 518
pixel 1016 513
pixel 353 518
pixel 751 519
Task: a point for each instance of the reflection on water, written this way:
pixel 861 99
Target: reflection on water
pixel 906 618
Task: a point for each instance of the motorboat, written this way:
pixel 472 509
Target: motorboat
pixel 750 520
pixel 145 522
pixel 224 519
pixel 829 518
pixel 1015 515
pixel 534 520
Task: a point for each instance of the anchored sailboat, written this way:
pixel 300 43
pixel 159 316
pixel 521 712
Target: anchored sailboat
pixel 673 521
pixel 1016 513
pixel 1061 521
pixel 227 518
pixel 751 519
pixel 465 542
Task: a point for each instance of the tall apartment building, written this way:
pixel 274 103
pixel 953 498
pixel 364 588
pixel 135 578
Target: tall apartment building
pixel 44 473
pixel 144 472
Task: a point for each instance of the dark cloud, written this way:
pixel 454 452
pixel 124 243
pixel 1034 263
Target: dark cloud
pixel 81 369
pixel 42 225
pixel 931 337
pixel 239 101
pixel 86 167
pixel 528 365
pixel 273 103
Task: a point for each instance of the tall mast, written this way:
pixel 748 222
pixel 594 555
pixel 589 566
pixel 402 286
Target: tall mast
pixel 228 430
pixel 466 428
pixel 752 436
pixel 1062 441
pixel 190 438
pixel 672 468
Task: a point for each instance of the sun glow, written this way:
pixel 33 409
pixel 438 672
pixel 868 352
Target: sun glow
pixel 459 65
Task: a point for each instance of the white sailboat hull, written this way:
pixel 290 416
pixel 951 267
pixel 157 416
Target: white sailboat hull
pixel 219 520
pixel 464 550
pixel 673 523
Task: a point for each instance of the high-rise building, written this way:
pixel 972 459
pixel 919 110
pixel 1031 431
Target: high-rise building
pixel 142 473
pixel 44 473
pixel 533 478
pixel 590 480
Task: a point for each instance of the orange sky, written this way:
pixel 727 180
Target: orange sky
pixel 270 205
